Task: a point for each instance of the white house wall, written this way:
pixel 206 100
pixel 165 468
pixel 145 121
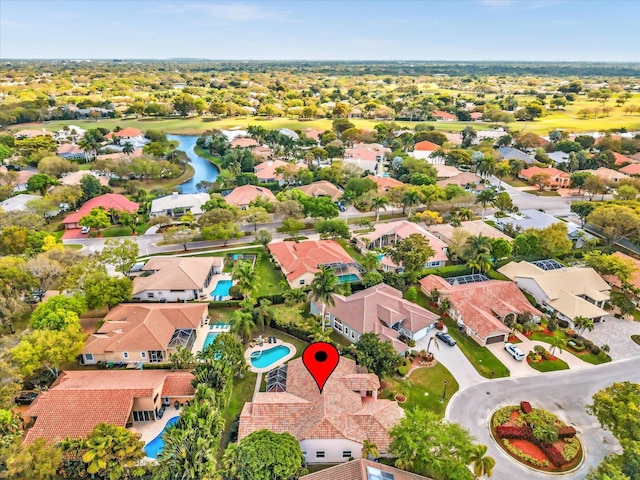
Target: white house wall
pixel 170 296
pixel 530 286
pixel 333 450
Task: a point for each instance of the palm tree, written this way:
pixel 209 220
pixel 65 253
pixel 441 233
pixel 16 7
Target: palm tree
pixel 473 264
pixel 516 166
pixel 230 458
pixel 582 324
pixel 241 324
pixel 477 244
pixel 482 464
pixel 318 334
pixel 127 148
pixel 294 296
pixel 465 214
pixel 369 261
pixel 322 288
pixel 243 274
pixel 262 313
pixel 487 166
pixel 378 203
pixel 348 198
pixel 444 305
pixel 483 260
pixel 410 197
pixel 545 433
pixel 370 450
pixel 486 198
pixel 89 147
pixel 501 171
pixel 558 343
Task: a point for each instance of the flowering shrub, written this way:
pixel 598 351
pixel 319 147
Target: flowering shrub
pixel 520 433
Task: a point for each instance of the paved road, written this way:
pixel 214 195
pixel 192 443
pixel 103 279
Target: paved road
pixel 565 393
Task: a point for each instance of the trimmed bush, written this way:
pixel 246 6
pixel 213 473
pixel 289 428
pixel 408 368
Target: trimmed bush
pixel 566 432
pixel 552 325
pixel 563 323
pixel 525 407
pixel 502 415
pixel 571 449
pixel 553 454
pixel 519 433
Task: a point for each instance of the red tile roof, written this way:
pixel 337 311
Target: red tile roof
pixel 357 470
pixel 479 303
pixel 385 183
pixel 243 142
pixel 337 413
pixel 631 169
pixel 620 159
pixel 296 259
pixel 80 400
pixel 427 146
pixel 143 327
pixel 267 170
pixel 107 201
pixel 377 309
pixel 128 132
pixel 556 177
pixel 246 194
pixel 441 114
pixel 322 188
pixel 635 276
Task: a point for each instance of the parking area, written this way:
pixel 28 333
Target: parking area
pixel 616 333
pixel 73 234
pixel 517 368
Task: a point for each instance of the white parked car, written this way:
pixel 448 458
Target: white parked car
pixel 85 229
pixel 514 351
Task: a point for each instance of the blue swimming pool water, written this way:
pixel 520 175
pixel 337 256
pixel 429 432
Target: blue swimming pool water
pixel 270 356
pixel 350 278
pixel 222 288
pixel 211 336
pixel 155 446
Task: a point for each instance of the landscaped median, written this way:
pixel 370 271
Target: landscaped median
pixel 572 343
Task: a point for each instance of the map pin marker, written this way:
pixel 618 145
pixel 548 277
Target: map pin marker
pixel 320 359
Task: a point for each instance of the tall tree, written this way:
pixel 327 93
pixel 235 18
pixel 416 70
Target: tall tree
pixel 48 349
pixel 378 356
pixel 242 324
pixel 37 461
pixel 323 287
pixel 122 254
pixel 481 463
pixel 485 198
pixel 412 253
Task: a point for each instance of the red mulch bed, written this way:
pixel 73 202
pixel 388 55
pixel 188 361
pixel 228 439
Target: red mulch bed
pixel 529 448
pixel 512 418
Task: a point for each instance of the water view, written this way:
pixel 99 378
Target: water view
pixel 204 169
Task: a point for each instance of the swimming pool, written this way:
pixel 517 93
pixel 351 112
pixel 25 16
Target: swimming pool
pixel 222 288
pixel 211 336
pixel 349 278
pixel 155 446
pixel 270 356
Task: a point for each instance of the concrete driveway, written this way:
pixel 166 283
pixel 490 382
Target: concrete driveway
pixel 453 359
pixel 616 333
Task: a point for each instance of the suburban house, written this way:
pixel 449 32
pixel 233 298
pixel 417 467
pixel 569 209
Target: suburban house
pixel 301 261
pixel 127 134
pixel 569 291
pixel 80 400
pixel 424 150
pixel 510 153
pixel 331 426
pixel 177 204
pixel 481 306
pixel 634 280
pixel 244 142
pixel 526 219
pixel 558 157
pixel 445 171
pixel 21 134
pixel 453 137
pixel 379 309
pixel 476 116
pixel 466 180
pixel 323 188
pixel 266 171
pixel 70 151
pixel 362 469
pixel 607 174
pixel 633 169
pixel 74 178
pixel 622 159
pixel 21 178
pixel 18 203
pixel 474 228
pixel 243 196
pixel 385 183
pixel 557 178
pixel 289 133
pixel 367 156
pixel 387 234
pixel 107 201
pixel 146 332
pixel 176 279
pixel 441 116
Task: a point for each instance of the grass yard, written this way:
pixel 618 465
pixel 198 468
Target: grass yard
pixel 242 393
pixel 350 250
pixel 423 388
pixel 636 338
pixel 586 355
pixel 549 365
pixel 73 246
pixel 205 154
pixel 485 362
pixel 164 184
pixel 115 231
pixel 544 193
pixel 515 182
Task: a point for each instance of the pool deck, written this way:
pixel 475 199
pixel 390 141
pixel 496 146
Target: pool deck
pixel 203 331
pixel 150 430
pixel 267 346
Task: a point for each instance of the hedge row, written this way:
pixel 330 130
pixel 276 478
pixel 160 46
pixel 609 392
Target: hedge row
pixel 566 432
pixel 553 454
pixel 511 432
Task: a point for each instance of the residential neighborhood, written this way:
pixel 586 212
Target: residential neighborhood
pixel 294 266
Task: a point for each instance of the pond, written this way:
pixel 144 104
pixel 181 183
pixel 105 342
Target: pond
pixel 204 169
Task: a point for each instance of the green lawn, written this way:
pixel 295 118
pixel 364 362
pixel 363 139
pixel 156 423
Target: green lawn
pixel 115 231
pixel 515 182
pixel 485 362
pixel 587 356
pixel 636 338
pixel 73 246
pixel 423 388
pixel 242 393
pixel 549 365
pixel 544 193
pixel 350 250
pixel 205 154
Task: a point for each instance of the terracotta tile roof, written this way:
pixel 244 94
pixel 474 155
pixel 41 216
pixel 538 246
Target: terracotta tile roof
pixel 313 133
pixel 266 170
pixel 296 259
pixel 357 470
pixel 107 201
pixel 427 146
pixel 323 188
pixel 479 303
pixel 447 115
pixel 336 413
pixel 23 175
pixel 32 133
pixel 178 384
pixel 607 174
pixel 176 273
pixel 80 400
pixel 143 327
pixel 69 148
pixel 128 132
pixel 74 178
pixel 377 308
pixel 635 276
pixel 462 179
pixel 476 115
pixel 137 153
pixel 246 194
pixel 385 183
pixel 556 177
pixel 244 142
pixel 620 159
pixel 631 169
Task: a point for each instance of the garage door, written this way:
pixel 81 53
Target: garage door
pixel 495 339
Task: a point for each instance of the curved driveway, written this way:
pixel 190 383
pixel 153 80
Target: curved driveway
pixel 565 393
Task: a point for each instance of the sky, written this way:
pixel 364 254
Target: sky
pixel 465 30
